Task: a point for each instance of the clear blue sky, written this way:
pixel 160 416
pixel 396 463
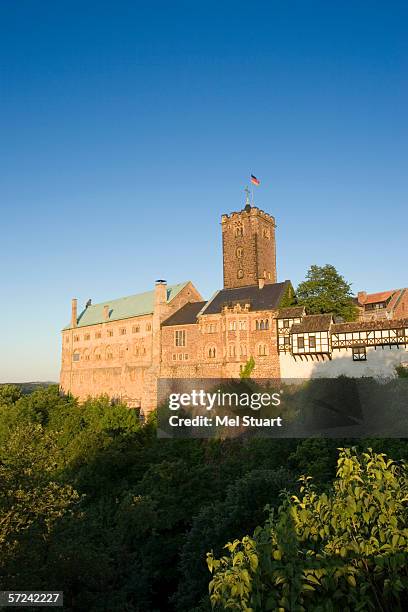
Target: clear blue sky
pixel 128 128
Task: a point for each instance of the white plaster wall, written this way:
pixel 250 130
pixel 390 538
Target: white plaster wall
pixel 381 363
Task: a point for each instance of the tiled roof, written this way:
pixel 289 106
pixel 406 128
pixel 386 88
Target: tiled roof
pixel 187 314
pixel 292 312
pixel 369 325
pixel 311 323
pixel 267 298
pixel 125 307
pixel 373 298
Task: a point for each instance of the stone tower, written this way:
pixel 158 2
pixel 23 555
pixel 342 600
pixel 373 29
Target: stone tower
pixel 248 248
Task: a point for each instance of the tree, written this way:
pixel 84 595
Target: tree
pixel 325 290
pixel 9 394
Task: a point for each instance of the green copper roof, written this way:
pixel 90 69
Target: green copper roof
pixel 124 308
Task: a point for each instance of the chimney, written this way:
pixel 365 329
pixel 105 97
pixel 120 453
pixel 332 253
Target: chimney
pixel 361 297
pixel 106 312
pixel 74 312
pixel 160 292
pixel 261 283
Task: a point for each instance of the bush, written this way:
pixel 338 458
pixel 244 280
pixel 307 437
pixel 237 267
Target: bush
pixel 343 550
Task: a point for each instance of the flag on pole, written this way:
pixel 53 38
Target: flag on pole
pixel 254 180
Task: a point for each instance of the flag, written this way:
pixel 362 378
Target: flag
pixel 254 180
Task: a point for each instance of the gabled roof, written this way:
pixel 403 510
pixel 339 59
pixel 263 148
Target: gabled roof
pixel 292 312
pixel 186 315
pixel 125 307
pixel 267 298
pixel 369 325
pixel 313 323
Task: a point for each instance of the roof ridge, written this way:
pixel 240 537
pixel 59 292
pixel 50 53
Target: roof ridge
pixel 133 295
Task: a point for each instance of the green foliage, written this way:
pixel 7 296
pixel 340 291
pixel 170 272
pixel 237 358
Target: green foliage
pixel 248 368
pixel 288 299
pixel 94 504
pixel 345 549
pixel 402 372
pixel 9 394
pixel 326 291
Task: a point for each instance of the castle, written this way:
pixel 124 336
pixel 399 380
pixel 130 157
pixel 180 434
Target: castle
pixel 121 347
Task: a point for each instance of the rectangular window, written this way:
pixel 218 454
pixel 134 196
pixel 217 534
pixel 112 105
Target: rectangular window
pixel 186 356
pixel 301 342
pixel 87 337
pixel 148 327
pixel 359 353
pixel 75 357
pixel 174 356
pixel 400 333
pixel 180 337
pixel 110 333
pixel 98 335
pixel 312 342
pixel 285 322
pixel 233 325
pixel 242 325
pixel 76 338
pixel 122 331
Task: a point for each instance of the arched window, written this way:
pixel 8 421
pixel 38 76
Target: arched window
pixel 232 350
pixel 262 325
pixel 109 353
pixel 262 350
pixel 239 231
pixel 243 350
pixel 240 273
pixel 98 354
pixel 212 352
pixel 239 251
pixel 266 324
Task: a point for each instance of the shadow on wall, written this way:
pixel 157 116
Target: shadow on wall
pixel 379 363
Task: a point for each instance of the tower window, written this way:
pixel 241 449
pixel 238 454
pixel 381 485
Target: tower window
pixel 240 251
pixel 239 231
pixel 180 337
pixel 240 273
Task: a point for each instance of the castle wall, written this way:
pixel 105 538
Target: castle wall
pixel 119 358
pixel 220 345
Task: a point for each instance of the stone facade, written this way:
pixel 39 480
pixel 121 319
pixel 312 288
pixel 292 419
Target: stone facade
pixel 249 249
